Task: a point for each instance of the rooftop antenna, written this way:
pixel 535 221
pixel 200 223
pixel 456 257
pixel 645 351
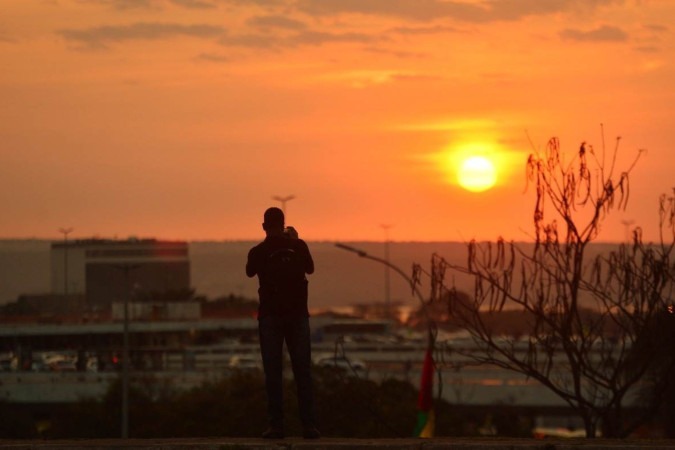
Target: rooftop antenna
pixel 387 290
pixel 65 232
pixel 627 224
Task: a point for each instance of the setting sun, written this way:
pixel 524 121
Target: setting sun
pixel 477 174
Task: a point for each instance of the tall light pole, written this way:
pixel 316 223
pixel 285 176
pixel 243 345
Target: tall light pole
pixel 283 201
pixel 627 224
pixel 126 268
pixel 387 290
pixel 65 232
pixel 406 277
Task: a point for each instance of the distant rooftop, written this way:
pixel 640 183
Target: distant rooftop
pixel 118 242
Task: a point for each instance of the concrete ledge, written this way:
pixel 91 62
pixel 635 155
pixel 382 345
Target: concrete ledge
pixel 346 444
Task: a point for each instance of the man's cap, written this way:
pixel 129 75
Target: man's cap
pixel 274 216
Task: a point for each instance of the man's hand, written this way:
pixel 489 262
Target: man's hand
pixel 291 232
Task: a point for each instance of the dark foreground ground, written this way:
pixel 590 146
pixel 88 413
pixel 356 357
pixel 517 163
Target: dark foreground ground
pixel 340 444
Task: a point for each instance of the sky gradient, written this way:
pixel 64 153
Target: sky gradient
pixel 180 119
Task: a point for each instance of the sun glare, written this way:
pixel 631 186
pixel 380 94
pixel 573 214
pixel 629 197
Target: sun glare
pixel 477 174
pixel 477 164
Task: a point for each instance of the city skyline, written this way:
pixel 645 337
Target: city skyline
pixel 185 119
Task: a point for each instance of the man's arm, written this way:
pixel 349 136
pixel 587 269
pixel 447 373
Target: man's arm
pixel 251 266
pixel 309 262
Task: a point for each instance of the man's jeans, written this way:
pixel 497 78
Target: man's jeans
pixel 273 330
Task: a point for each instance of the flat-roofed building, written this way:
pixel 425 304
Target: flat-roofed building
pixel 106 271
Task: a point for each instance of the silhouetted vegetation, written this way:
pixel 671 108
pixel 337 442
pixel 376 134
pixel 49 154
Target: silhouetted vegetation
pixel 234 406
pixel 17 423
pixel 658 393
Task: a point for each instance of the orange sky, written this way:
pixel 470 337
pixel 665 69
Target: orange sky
pixel 180 119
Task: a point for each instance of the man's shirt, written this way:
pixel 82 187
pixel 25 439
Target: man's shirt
pixel 274 300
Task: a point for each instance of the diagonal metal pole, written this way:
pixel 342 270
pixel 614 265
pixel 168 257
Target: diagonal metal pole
pixel 387 263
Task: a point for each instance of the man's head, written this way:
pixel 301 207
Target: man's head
pixel 273 220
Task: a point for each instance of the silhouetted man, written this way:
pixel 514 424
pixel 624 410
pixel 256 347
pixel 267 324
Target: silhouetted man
pixel 281 262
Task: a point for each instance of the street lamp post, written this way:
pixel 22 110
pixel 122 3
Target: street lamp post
pixel 430 322
pixel 396 269
pixel 126 268
pixel 627 224
pixel 65 232
pixel 283 201
pixel 387 289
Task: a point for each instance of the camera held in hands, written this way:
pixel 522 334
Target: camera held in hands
pixel 291 232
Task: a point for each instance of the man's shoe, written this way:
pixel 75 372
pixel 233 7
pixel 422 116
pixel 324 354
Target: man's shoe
pixel 273 433
pixel 311 433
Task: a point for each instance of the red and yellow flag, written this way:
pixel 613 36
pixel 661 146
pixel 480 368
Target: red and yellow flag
pixel 425 407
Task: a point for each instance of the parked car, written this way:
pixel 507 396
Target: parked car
pixel 63 365
pixel 355 366
pixel 92 364
pixel 60 363
pixel 244 362
pixel 8 362
pixel 38 366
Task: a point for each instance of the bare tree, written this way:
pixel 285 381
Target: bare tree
pixel 587 312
